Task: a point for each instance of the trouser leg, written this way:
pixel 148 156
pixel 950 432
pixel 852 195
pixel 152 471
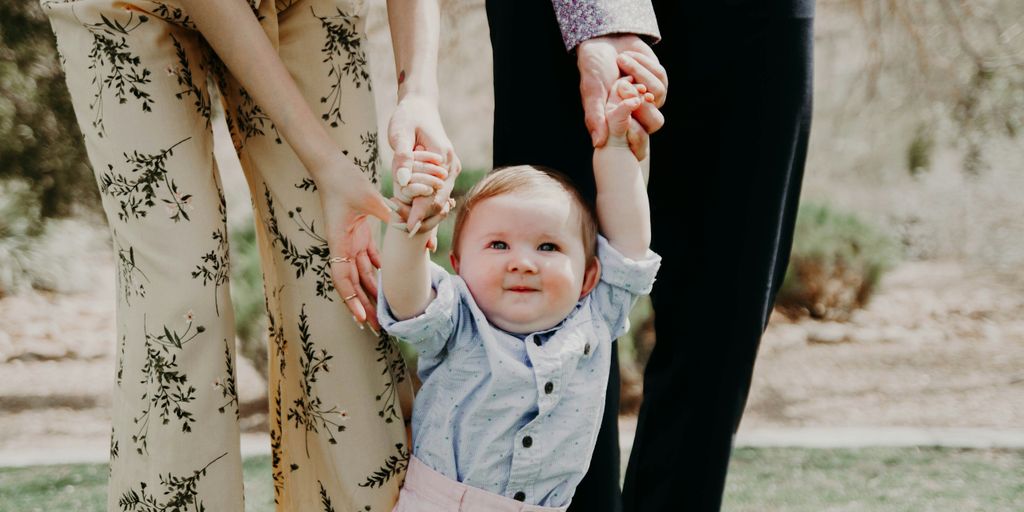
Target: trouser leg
pixel 557 139
pixel 337 427
pixel 140 96
pixel 725 180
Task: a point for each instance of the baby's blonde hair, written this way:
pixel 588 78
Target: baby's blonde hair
pixel 518 178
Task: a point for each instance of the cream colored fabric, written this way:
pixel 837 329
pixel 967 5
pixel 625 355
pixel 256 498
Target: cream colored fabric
pixel 137 73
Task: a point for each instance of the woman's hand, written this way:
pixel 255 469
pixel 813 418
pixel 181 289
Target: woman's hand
pixel 416 122
pixel 349 200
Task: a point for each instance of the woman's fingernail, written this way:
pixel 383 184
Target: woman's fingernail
pixel 401 226
pixel 374 331
pixel 391 204
pixel 403 175
pixel 356 320
pixel 415 228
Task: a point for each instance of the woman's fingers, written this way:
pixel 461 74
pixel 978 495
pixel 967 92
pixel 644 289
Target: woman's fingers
pixel 417 188
pixel 369 306
pixel 342 272
pixel 431 181
pixel 430 169
pixel 367 274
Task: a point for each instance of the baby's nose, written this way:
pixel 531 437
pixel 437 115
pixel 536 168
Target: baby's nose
pixel 521 264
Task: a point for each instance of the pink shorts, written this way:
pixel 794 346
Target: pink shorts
pixel 426 490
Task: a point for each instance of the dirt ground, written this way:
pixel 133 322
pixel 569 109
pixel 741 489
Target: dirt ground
pixel 938 346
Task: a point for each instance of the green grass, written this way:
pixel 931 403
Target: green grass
pixel 875 479
pixel 760 480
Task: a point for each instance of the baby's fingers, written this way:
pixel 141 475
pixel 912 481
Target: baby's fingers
pixel 619 115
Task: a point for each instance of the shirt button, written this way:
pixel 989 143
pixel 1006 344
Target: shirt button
pixel 520 496
pixel 548 388
pixel 527 442
pixel 586 349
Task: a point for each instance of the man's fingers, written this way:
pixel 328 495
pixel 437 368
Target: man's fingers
pixel 648 72
pixel 638 139
pixel 594 95
pixel 649 117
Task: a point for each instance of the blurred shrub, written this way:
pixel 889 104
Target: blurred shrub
pixel 38 253
pixel 247 294
pixel 39 137
pixel 837 261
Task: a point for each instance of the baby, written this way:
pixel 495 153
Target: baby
pixel 514 351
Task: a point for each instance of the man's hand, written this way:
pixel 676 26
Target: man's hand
pixel 416 122
pixel 601 60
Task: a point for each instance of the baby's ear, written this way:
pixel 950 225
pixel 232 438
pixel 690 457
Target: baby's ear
pixel 591 276
pixel 454 259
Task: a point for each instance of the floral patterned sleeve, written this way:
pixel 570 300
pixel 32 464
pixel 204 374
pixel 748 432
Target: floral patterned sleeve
pixel 585 19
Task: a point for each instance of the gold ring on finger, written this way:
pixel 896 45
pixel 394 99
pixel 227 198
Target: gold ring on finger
pixel 350 297
pixel 340 259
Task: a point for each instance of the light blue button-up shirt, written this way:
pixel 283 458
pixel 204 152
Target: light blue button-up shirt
pixel 510 413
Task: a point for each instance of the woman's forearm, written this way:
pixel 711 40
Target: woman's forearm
pixel 415 25
pixel 234 33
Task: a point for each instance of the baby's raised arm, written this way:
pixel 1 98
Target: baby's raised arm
pixel 405 271
pixel 622 208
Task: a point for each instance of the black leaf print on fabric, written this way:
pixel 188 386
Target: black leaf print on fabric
pixel 393 466
pixel 120 360
pixel 250 120
pixel 344 53
pixel 167 388
pixel 394 372
pixel 174 15
pixel 180 494
pixel 136 196
pixel 276 440
pixel 307 184
pixel 308 411
pixel 216 266
pixel 314 258
pixel 226 384
pixel 325 499
pixel 116 68
pixel 183 73
pixel 127 271
pixel 369 165
pixel 114 447
pixel 276 332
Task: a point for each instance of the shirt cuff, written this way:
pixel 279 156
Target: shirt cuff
pixel 635 276
pixel 436 322
pixel 586 19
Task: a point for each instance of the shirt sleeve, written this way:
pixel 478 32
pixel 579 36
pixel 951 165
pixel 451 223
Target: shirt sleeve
pixel 622 281
pixel 430 331
pixel 585 19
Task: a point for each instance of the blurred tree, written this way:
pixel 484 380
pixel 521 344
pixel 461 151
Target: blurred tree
pixel 965 55
pixel 39 138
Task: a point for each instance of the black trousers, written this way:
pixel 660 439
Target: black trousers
pixel 726 172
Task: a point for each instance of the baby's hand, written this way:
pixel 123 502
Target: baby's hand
pixel 424 179
pixel 624 99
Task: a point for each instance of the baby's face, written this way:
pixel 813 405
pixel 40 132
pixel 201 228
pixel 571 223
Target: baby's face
pixel 522 257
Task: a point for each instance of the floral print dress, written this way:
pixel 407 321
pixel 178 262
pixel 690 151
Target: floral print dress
pixel 140 74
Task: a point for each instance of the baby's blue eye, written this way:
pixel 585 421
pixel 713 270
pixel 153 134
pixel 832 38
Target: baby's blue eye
pixel 547 246
pixel 498 244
